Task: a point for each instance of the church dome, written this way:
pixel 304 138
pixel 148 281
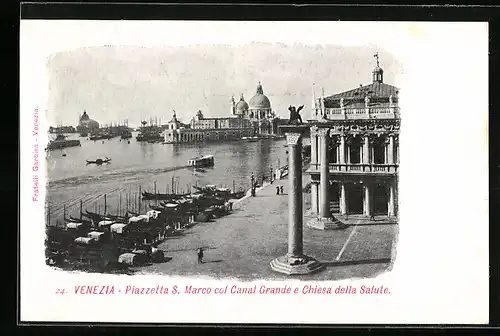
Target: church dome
pixel 242 105
pixel 260 101
pixel 84 116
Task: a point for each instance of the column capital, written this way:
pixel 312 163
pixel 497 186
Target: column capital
pixel 323 132
pixel 293 139
pixel 314 130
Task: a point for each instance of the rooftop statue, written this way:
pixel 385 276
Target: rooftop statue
pixel 295 118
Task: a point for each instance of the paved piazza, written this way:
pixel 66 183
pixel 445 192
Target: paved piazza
pixel 242 244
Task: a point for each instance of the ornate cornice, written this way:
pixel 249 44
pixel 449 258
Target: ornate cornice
pixel 363 126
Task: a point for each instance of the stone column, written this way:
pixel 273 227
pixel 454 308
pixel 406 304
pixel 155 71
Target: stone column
pixel 314 198
pixel 294 143
pixel 324 207
pixel 295 262
pixel 314 146
pixel 314 163
pixel 343 199
pixel 366 150
pixel 391 200
pixel 342 149
pixel 390 150
pixel 367 207
pixel 325 219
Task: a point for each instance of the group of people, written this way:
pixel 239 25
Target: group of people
pixel 279 189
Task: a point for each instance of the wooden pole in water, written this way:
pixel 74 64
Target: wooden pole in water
pixel 105 205
pixel 48 215
pixel 155 187
pixel 120 204
pixel 64 211
pixel 173 185
pixel 126 201
pixel 81 209
pixel 138 203
pixel 233 187
pixel 140 198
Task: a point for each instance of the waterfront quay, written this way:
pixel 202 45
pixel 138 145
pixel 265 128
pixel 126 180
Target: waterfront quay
pixel 242 244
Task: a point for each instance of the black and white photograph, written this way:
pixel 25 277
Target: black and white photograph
pixel 245 161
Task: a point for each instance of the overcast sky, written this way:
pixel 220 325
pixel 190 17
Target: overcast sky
pixel 113 83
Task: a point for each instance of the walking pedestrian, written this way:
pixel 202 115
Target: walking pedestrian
pixel 281 189
pixel 199 251
pixel 277 190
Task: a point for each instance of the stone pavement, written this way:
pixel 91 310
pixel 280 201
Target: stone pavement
pixel 242 244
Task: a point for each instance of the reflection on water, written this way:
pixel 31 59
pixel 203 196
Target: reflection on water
pixel 134 164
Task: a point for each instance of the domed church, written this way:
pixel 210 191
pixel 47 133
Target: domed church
pixel 86 124
pixel 258 110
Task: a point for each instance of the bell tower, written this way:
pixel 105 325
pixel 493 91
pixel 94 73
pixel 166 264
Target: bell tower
pixel 378 72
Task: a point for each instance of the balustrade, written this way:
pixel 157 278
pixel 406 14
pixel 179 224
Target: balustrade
pixel 360 167
pixel 348 113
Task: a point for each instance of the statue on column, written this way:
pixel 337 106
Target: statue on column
pixel 391 101
pixel 295 117
pixel 342 102
pixel 367 101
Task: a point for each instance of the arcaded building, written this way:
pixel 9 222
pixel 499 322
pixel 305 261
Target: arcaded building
pixel 355 152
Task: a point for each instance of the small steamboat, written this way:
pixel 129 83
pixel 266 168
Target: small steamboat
pixel 61 142
pixel 204 161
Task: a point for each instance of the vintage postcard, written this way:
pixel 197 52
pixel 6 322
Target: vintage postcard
pixel 254 172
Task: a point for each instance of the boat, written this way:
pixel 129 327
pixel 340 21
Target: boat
pixel 126 134
pixel 156 207
pixel 250 139
pixel 60 142
pixel 166 197
pixel 101 136
pixel 99 161
pixel 204 161
pixel 151 133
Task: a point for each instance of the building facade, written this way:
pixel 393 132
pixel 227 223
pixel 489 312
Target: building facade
pixel 208 129
pixel 85 124
pixel 355 151
pixel 258 111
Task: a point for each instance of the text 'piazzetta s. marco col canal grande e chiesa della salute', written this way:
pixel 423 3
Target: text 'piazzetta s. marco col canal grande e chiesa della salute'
pixel 335 203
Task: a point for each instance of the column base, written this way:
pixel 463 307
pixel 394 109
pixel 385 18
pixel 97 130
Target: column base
pixel 321 223
pixel 292 265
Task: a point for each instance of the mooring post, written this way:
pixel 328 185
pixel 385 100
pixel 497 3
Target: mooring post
pixel 105 205
pixel 126 201
pixel 140 198
pixel 120 204
pixel 155 187
pixel 81 210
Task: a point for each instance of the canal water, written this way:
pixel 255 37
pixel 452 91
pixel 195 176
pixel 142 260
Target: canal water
pixel 137 164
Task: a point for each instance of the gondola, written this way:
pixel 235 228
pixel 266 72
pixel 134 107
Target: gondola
pixel 156 207
pixel 99 161
pixel 150 196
